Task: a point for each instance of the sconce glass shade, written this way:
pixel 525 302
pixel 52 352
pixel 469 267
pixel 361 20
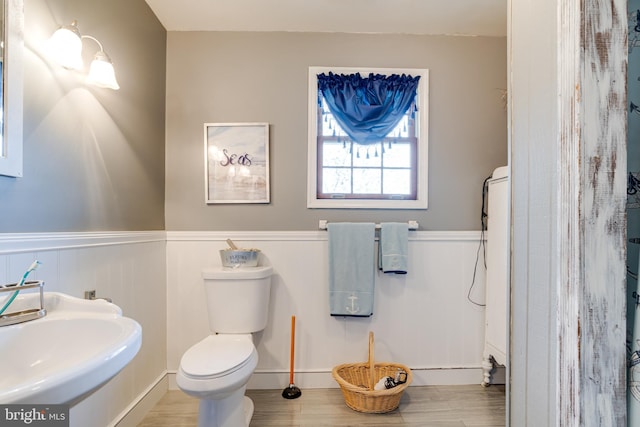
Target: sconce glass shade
pixel 101 72
pixel 66 46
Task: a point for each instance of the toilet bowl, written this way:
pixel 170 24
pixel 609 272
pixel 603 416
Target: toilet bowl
pixel 216 369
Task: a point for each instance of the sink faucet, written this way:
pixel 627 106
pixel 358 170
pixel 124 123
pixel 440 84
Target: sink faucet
pixel 91 295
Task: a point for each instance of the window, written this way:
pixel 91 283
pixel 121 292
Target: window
pixel 383 172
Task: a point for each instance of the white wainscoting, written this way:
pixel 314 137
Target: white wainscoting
pixel 423 319
pixel 128 267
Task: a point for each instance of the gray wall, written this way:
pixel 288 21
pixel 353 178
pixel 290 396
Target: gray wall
pixel 262 77
pixel 94 158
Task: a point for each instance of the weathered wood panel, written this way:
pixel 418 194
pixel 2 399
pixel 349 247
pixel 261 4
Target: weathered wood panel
pixel 603 160
pixel 568 224
pixel 581 129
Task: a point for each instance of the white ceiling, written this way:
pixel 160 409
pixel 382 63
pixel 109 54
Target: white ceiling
pixel 450 17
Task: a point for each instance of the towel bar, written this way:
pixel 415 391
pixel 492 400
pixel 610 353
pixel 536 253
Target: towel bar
pixel 413 225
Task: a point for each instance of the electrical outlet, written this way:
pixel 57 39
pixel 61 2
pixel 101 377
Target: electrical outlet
pixel 90 294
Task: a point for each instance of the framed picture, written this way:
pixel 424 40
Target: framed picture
pixel 236 162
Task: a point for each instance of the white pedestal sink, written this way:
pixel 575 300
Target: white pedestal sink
pixel 61 358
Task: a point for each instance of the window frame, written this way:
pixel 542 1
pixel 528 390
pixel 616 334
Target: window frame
pixel 422 146
pixel 11 152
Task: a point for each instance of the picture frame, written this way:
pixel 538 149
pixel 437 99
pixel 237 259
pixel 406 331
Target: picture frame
pixel 236 163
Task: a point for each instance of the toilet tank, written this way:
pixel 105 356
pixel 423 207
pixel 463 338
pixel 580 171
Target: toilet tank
pixel 237 298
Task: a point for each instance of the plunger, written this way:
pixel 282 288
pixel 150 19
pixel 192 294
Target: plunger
pixel 292 392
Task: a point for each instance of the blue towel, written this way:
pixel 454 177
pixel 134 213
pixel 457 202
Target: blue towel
pixel 351 268
pixel 393 247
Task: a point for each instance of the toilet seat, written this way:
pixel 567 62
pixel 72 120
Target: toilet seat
pixel 217 356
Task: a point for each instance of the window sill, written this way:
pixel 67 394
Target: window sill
pixel 365 204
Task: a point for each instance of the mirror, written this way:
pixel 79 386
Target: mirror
pixel 11 54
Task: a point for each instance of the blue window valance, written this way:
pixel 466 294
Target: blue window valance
pixel 368 108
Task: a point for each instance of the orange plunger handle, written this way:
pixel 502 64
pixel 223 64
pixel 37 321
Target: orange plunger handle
pixel 293 339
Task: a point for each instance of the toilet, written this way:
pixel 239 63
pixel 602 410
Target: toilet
pixel 216 370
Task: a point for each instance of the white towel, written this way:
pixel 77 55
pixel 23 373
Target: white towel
pixel 393 247
pixel 351 268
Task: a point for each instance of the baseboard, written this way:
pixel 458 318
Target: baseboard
pixel 136 411
pixel 261 380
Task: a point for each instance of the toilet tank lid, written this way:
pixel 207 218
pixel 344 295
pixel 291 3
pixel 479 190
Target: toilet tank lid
pixel 228 273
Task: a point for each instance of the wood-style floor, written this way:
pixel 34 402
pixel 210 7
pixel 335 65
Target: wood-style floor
pixel 433 406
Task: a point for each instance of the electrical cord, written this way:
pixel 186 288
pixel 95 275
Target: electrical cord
pixel 481 244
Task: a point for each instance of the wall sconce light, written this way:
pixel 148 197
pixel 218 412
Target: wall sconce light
pixel 66 47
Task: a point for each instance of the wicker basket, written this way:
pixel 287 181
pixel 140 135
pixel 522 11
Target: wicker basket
pixel 357 381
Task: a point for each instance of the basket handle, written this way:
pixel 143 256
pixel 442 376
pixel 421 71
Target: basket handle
pixel 372 370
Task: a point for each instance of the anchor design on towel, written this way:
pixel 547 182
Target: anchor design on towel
pixel 354 308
